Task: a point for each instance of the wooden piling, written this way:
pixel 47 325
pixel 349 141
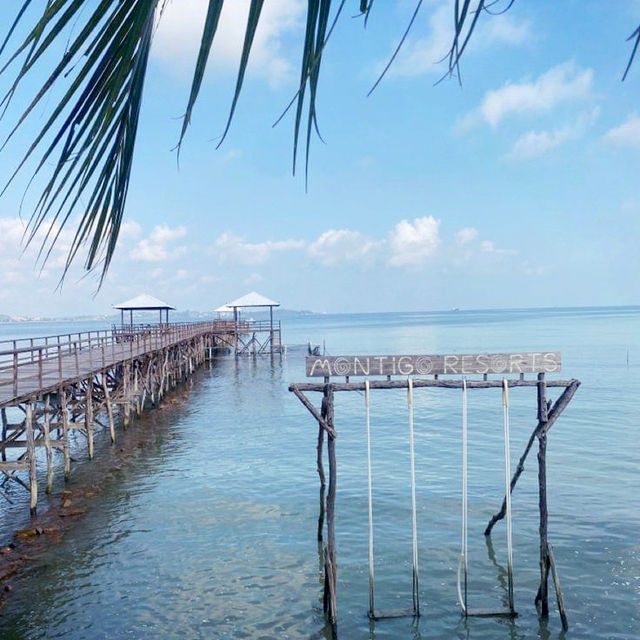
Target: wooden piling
pixel 47 441
pixel 4 432
pixel 88 415
pixel 126 374
pixel 64 413
pixel 31 454
pixel 107 401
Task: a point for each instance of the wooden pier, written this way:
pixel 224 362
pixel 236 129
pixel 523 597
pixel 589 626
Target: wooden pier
pixel 53 385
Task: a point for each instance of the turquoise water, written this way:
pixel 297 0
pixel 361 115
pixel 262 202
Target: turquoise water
pixel 204 526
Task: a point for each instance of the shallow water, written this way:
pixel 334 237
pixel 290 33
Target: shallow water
pixel 204 527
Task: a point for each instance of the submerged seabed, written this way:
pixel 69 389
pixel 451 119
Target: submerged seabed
pixel 204 519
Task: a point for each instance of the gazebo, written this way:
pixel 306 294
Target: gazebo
pixel 223 310
pixel 255 300
pixel 143 302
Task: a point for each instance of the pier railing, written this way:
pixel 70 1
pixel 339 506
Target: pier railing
pixel 27 364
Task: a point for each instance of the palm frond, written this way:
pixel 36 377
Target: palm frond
pixel 634 36
pixel 91 133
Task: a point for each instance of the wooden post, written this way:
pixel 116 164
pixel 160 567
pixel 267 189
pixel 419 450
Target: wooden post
pixel 330 561
pixel 65 433
pixel 556 584
pixel 47 442
pixel 31 453
pixel 4 433
pixel 88 415
pixel 15 370
pixel 271 327
pixel 136 394
pixel 543 592
pixel 235 325
pixel 107 401
pixel 126 372
pixel 320 467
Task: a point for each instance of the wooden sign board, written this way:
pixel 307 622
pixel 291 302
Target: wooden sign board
pixel 500 363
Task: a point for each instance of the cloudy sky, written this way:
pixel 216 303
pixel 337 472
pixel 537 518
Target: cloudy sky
pixel 519 188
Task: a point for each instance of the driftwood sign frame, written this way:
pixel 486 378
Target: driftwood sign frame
pixel 407 366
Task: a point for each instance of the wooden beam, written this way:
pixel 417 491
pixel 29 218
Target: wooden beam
pixel 314 412
pixel 423 382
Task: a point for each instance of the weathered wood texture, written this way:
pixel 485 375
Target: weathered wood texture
pixel 408 365
pixel 27 371
pixel 86 388
pixel 419 383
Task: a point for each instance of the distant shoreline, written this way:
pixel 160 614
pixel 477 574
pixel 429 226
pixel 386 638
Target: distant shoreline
pixel 200 315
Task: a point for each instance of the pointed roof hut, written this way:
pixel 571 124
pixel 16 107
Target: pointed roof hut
pixel 252 299
pixel 143 302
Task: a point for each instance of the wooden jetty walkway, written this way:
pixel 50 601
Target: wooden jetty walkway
pixel 53 385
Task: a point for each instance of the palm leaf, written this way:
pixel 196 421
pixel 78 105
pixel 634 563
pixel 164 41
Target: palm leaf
pixel 93 126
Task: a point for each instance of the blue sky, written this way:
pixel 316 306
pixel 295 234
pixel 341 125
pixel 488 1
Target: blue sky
pixel 517 189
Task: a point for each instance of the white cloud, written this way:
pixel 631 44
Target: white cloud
pixel 503 29
pixel 425 54
pixel 412 243
pixel 232 248
pixel 179 33
pixel 562 83
pixel 155 248
pixel 163 233
pixel 342 245
pixel 129 229
pixel 537 143
pixel 626 134
pixel 465 236
pixel 487 246
pixel 19 262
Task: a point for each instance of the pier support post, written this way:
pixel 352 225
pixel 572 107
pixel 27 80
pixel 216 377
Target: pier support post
pixel 136 389
pixel 107 401
pixel 47 442
pixel 4 433
pixel 31 454
pixel 88 415
pixel 64 412
pixel 126 382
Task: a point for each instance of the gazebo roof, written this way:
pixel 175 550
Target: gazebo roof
pixel 225 308
pixel 143 301
pixel 253 299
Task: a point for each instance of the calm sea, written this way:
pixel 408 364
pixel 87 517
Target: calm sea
pixel 204 525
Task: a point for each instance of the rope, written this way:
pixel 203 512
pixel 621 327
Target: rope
pixel 463 562
pixel 414 519
pixel 367 404
pixel 507 474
